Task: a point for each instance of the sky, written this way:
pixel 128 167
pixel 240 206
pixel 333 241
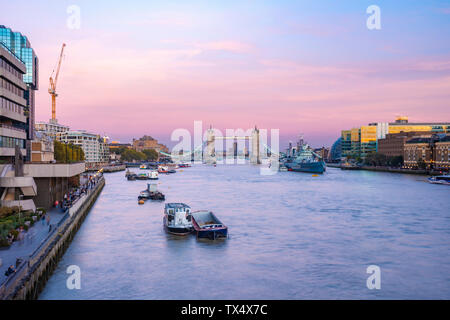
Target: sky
pixel 310 67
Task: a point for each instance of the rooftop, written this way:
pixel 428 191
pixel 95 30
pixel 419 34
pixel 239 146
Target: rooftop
pixel 176 205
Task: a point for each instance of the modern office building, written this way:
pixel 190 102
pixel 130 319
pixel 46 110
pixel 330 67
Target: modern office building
pixel 51 128
pixel 19 45
pixel 15 188
pixel 94 147
pixel 29 178
pixel 13 119
pixel 335 151
pixel 358 142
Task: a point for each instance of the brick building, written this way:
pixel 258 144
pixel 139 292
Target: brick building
pixel 394 143
pixel 147 143
pixel 434 151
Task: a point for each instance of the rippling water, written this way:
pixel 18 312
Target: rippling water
pixel 292 236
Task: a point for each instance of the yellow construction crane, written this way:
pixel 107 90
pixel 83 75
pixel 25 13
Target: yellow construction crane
pixel 52 88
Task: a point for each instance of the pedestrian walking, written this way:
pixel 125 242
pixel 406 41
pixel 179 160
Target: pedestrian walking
pixel 21 235
pixel 47 218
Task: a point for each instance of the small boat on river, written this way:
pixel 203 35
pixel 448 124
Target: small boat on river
pixel 163 169
pixel 143 166
pixel 153 175
pixel 207 225
pixel 445 179
pixel 166 170
pixel 132 177
pixel 151 193
pixel 177 219
pixel 142 176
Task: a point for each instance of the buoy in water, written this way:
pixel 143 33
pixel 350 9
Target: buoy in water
pixel 141 201
pixel 315 175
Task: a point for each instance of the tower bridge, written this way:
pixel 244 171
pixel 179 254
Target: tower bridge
pixel 253 138
pixel 207 150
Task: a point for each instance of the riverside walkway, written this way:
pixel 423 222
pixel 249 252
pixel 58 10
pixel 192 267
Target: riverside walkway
pixel 33 238
pixel 40 239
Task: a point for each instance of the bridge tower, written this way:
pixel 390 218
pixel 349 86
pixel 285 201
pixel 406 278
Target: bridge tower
pixel 255 156
pixel 210 156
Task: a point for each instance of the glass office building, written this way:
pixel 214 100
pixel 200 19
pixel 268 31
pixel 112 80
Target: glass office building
pixel 359 142
pixel 19 45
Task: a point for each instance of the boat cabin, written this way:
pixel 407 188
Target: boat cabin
pixel 178 214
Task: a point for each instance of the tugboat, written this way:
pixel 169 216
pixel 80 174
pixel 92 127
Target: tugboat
pixel 177 219
pixel 206 225
pixel 306 161
pixel 151 193
pixel 440 180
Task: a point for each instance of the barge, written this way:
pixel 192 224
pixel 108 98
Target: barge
pixel 208 226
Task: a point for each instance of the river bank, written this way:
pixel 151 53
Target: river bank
pixel 32 273
pixel 385 169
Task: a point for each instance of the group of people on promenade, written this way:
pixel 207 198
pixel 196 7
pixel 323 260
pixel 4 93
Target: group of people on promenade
pixel 75 193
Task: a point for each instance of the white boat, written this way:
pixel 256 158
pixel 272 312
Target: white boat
pixel 178 218
pixel 153 175
pixel 440 180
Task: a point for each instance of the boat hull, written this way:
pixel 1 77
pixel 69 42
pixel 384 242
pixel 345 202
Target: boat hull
pixel 433 181
pixel 213 234
pixel 311 167
pixel 178 231
pixel 216 231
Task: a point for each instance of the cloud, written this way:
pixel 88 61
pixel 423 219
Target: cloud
pixel 231 46
pixel 444 10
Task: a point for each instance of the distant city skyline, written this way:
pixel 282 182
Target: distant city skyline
pixel 149 67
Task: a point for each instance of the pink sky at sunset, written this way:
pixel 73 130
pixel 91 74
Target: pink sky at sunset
pixel 126 74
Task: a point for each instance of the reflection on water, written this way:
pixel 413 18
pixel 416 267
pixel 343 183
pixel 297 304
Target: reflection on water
pixel 292 236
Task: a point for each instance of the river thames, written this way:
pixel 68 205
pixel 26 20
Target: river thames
pixel 292 236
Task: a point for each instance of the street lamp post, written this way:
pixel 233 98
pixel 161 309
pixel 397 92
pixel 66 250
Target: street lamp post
pixel 20 208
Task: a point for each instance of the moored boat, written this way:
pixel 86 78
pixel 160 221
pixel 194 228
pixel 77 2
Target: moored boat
pixel 177 219
pixel 153 175
pixel 207 225
pixel 350 166
pixel 142 176
pixel 445 179
pixel 143 166
pixel 163 169
pixel 306 161
pixel 151 193
pixel 132 177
